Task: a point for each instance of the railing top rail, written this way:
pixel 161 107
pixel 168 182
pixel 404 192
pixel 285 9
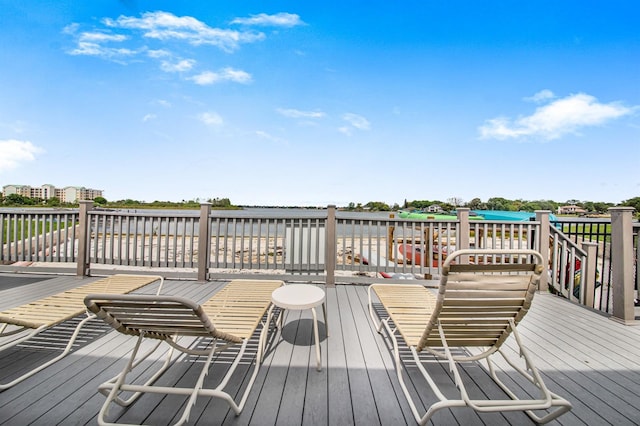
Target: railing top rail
pixel 244 214
pixel 570 243
pixel 146 213
pixel 583 220
pixel 39 210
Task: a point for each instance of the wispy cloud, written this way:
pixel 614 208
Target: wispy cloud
pixel 269 137
pixel 211 119
pixel 541 96
pixel 97 44
pixel 354 121
pixel 166 26
pixel 282 19
pixel 555 119
pixel 149 117
pixel 179 66
pixel 158 35
pixel 295 113
pixel 14 152
pixel 357 121
pixel 226 74
pixel 161 102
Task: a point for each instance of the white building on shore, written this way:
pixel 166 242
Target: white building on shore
pixel 68 194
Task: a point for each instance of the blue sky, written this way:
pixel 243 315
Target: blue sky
pixel 317 103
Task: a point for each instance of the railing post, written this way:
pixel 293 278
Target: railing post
pixel 543 245
pixel 589 272
pixel 464 229
pixel 330 247
pixel 82 265
pixel 622 265
pixel 203 241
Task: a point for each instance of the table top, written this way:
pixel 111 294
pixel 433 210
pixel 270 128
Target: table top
pixel 298 296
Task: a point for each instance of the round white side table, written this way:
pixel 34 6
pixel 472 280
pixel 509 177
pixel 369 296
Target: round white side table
pixel 299 297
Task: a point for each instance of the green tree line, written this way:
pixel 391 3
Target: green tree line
pixel 15 200
pixel 495 203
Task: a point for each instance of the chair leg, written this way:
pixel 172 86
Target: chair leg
pixel 548 399
pixel 64 353
pixel 535 378
pixel 106 387
pixel 117 385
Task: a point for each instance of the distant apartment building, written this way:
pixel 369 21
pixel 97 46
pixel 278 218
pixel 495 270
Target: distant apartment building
pixel 68 194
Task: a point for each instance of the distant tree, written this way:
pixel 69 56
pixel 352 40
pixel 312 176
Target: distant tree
pixel 16 199
pixel 100 200
pixel 455 201
pixel 53 202
pixel 446 206
pixel 129 202
pixel 498 203
pixel 378 206
pixel 476 204
pixel 422 204
pixel 548 205
pixel 604 207
pixel 632 202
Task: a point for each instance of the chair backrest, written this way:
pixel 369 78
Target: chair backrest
pixel 478 298
pixel 158 317
pixel 60 307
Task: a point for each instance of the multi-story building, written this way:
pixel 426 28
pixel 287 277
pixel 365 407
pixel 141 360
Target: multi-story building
pixel 68 194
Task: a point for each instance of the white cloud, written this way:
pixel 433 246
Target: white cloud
pixel 357 121
pixel 551 121
pixel 94 49
pixel 226 74
pixel 149 117
pixel 345 129
pixel 211 119
pixel 97 37
pixel 541 96
pixel 158 53
pixel 94 44
pixel 165 26
pixel 267 136
pixel 282 19
pixel 13 153
pixel 294 113
pixel 180 66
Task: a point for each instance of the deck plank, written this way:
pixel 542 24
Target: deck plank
pixel 591 360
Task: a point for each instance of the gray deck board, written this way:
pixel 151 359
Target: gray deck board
pixel 591 360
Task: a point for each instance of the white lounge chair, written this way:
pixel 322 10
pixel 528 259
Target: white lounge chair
pixel 477 306
pixel 232 315
pixel 26 321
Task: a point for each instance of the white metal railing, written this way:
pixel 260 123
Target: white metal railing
pixel 314 245
pixel 38 236
pixel 143 239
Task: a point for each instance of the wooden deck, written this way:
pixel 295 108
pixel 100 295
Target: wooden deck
pixel 589 359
